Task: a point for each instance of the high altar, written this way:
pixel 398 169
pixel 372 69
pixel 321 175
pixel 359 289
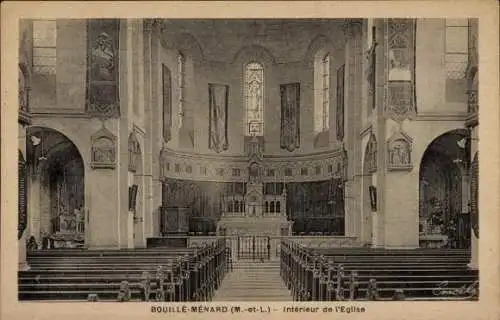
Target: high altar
pixel 257 214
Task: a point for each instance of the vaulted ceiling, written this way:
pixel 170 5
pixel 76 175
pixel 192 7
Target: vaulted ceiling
pixel 287 40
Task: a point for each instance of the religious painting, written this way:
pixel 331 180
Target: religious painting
pixel 399 152
pixel 340 102
pixel 218 116
pixel 102 73
pixel 167 103
pixel 290 116
pixel 103 152
pixel 401 102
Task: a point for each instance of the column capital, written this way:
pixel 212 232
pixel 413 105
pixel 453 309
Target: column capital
pixel 352 27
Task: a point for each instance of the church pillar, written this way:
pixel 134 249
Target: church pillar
pixel 398 178
pixel 22 263
pixel 474 262
pixel 157 141
pixel 354 58
pixel 147 152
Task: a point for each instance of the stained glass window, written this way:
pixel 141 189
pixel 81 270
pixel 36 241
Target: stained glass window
pixel 254 99
pixel 181 61
pixel 456 46
pixel 322 107
pixel 44 46
pixel 326 88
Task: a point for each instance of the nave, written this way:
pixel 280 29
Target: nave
pixel 210 273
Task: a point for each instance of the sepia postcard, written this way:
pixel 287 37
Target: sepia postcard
pixel 250 159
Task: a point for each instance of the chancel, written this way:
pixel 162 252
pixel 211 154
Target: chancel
pixel 242 159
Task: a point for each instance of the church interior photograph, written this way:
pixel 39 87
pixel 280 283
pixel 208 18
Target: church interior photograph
pixel 248 159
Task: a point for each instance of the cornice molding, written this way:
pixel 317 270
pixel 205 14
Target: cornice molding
pixel 441 116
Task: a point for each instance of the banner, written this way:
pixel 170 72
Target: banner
pixel 290 116
pixel 218 105
pixel 340 103
pixel 400 52
pixel 167 103
pixel 102 73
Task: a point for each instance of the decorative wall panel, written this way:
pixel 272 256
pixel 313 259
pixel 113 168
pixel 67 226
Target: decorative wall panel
pixel 400 53
pixel 103 152
pixel 399 149
pixel 102 73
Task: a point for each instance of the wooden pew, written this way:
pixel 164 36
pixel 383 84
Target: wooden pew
pixel 313 274
pixel 190 274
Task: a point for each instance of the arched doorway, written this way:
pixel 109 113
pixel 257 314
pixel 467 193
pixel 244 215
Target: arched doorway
pixel 57 172
pixel 442 195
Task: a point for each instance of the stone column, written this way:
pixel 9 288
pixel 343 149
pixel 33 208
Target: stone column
pixel 157 141
pixel 353 32
pixel 474 262
pixel 147 150
pixel 398 182
pixel 22 263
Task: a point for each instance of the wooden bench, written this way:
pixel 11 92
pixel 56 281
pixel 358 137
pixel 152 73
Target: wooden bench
pixel 320 274
pixel 191 274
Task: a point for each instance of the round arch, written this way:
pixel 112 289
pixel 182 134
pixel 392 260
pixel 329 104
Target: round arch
pixel 442 174
pixel 57 171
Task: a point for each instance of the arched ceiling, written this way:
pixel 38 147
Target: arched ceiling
pixel 220 40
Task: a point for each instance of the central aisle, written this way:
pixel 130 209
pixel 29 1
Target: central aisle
pixel 253 281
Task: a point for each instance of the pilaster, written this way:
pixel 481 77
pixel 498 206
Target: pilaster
pixel 354 60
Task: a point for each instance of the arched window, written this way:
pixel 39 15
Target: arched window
pixel 236 206
pixel 278 207
pixel 271 207
pixel 254 99
pixel 44 46
pixel 322 84
pixel 181 65
pixel 456 46
pixel 266 207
